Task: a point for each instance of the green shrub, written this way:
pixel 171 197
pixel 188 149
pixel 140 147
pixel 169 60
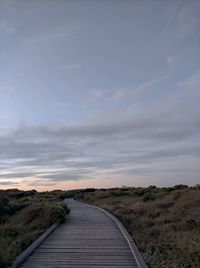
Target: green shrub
pixel 148 197
pixel 15 205
pixel 152 189
pixel 180 187
pixel 120 192
pixel 140 191
pixel 58 212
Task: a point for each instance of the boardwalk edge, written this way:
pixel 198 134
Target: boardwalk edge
pixel 137 255
pixel 33 246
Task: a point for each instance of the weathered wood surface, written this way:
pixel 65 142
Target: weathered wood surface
pixel 89 238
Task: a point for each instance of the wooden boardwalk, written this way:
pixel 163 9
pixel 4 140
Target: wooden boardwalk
pixel 89 238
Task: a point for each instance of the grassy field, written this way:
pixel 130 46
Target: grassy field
pixel 25 215
pixel 164 222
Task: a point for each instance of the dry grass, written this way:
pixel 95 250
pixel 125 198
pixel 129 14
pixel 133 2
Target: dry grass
pixel 164 222
pixel 23 217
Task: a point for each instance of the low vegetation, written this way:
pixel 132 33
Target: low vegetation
pixel 25 215
pixel 164 222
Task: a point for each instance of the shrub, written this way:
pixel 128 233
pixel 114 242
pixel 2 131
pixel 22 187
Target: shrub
pixel 88 190
pixel 4 206
pixel 9 230
pixel 23 217
pixel 140 191
pixel 120 192
pixel 58 212
pixel 166 229
pixel 180 187
pixel 15 205
pixel 148 197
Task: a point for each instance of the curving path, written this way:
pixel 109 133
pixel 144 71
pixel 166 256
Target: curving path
pixel 90 238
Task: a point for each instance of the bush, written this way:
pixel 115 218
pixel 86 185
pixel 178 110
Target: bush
pixel 120 192
pixel 166 229
pixel 148 197
pixel 140 191
pixel 8 230
pixel 58 212
pixel 23 217
pixel 4 206
pixel 88 190
pixel 15 205
pixel 180 187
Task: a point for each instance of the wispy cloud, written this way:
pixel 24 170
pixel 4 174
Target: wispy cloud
pixel 96 92
pixel 148 84
pixel 8 183
pixel 131 114
pixel 118 94
pixel 71 153
pixel 55 34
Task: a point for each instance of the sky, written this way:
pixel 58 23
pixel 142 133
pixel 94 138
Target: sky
pixel 99 93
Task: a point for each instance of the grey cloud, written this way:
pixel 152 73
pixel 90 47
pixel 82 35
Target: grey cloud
pixel 39 183
pixel 155 127
pixel 61 152
pixel 65 176
pixel 138 115
pixel 53 159
pixel 8 183
pixel 17 175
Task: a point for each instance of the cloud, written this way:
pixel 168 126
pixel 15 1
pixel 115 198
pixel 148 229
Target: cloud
pixel 13 175
pixel 54 34
pixel 170 61
pixel 148 84
pixel 8 183
pixel 76 153
pixel 39 182
pixel 62 152
pixel 96 92
pixel 118 94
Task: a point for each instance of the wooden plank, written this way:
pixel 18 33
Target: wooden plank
pixel 89 238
